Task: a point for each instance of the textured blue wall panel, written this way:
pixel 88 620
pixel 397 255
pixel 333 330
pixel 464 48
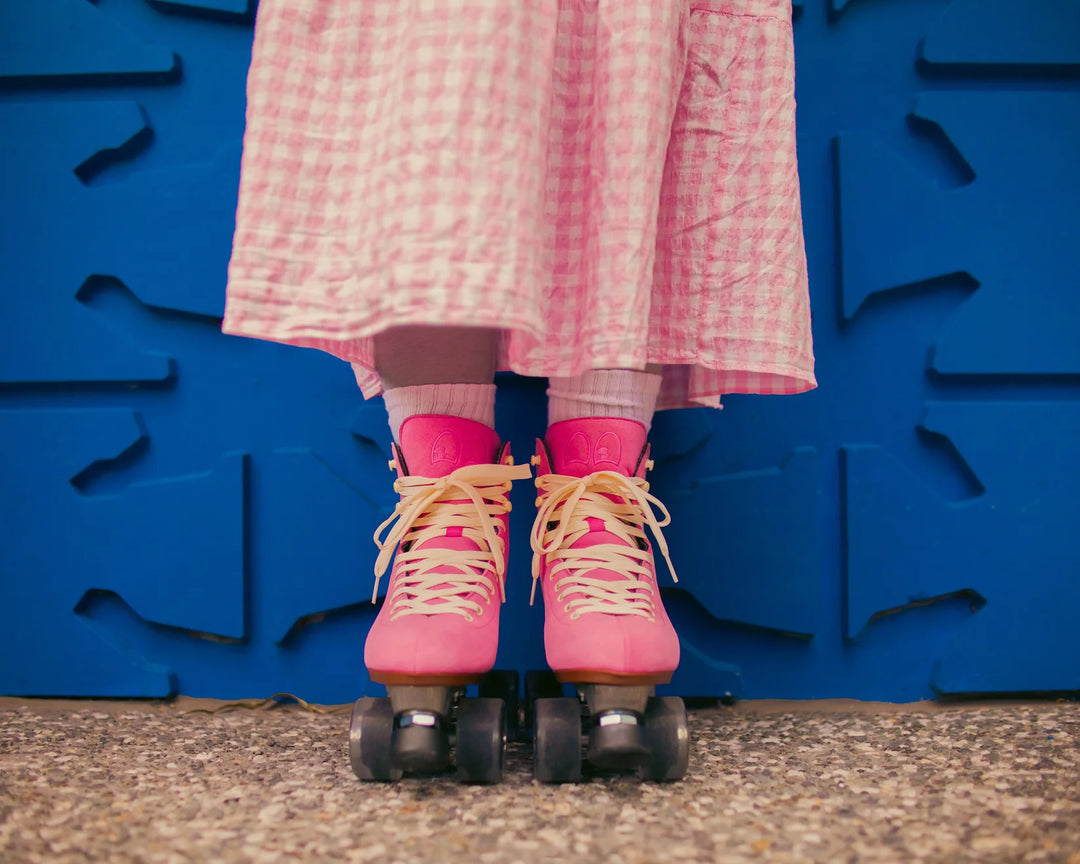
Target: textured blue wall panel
pixel 184 511
pixel 1011 549
pixel 1012 229
pixel 1020 33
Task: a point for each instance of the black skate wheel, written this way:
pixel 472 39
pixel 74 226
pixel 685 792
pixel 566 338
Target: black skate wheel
pixel 504 684
pixel 667 738
pixel 370 732
pixel 539 684
pixel 481 740
pixel 420 744
pixel 557 743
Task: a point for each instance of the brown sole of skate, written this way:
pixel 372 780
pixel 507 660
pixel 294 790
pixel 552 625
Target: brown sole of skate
pixel 404 678
pixel 593 676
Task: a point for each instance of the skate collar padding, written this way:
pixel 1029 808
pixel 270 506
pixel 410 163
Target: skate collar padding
pixel 590 444
pixel 434 445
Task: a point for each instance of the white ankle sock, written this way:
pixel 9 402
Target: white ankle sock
pixel 471 401
pixel 622 393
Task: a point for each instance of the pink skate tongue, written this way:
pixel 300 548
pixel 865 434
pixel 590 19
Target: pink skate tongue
pixel 584 446
pixel 434 445
pixel 580 447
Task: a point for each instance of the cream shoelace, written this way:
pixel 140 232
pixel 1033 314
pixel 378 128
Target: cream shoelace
pixel 470 498
pixel 567 502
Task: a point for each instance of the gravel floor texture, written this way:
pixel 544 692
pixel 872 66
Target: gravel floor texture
pixel 787 782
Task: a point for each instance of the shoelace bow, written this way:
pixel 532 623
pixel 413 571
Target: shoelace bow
pixel 569 502
pixel 470 498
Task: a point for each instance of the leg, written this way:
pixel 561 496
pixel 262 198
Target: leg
pixel 411 356
pixel 606 630
pixel 443 371
pixel 623 393
pixel 437 630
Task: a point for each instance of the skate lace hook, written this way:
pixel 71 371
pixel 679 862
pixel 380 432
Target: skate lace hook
pixel 557 489
pixel 419 493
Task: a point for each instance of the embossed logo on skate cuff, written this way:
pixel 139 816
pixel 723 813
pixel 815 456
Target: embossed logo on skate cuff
pixel 606 452
pixel 446 450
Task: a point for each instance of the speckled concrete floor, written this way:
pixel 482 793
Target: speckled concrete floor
pixel 780 783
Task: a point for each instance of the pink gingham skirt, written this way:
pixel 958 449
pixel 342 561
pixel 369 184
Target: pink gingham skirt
pixel 610 182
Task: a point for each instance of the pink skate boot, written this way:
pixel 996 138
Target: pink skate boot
pixel 605 627
pixel 438 629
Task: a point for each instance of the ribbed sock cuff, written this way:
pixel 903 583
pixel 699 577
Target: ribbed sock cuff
pixel 471 401
pixel 623 393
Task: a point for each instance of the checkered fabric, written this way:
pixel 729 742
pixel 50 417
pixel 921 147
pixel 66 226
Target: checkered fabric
pixel 611 182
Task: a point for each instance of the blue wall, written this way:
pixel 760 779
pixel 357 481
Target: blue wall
pixel 184 511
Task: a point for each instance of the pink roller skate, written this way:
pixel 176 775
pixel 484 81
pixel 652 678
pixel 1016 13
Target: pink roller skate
pixel 438 629
pixel 605 628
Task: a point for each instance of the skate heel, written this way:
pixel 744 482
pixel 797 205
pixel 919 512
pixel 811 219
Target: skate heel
pixel 414 729
pixel 617 740
pixel 626 729
pixel 420 743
